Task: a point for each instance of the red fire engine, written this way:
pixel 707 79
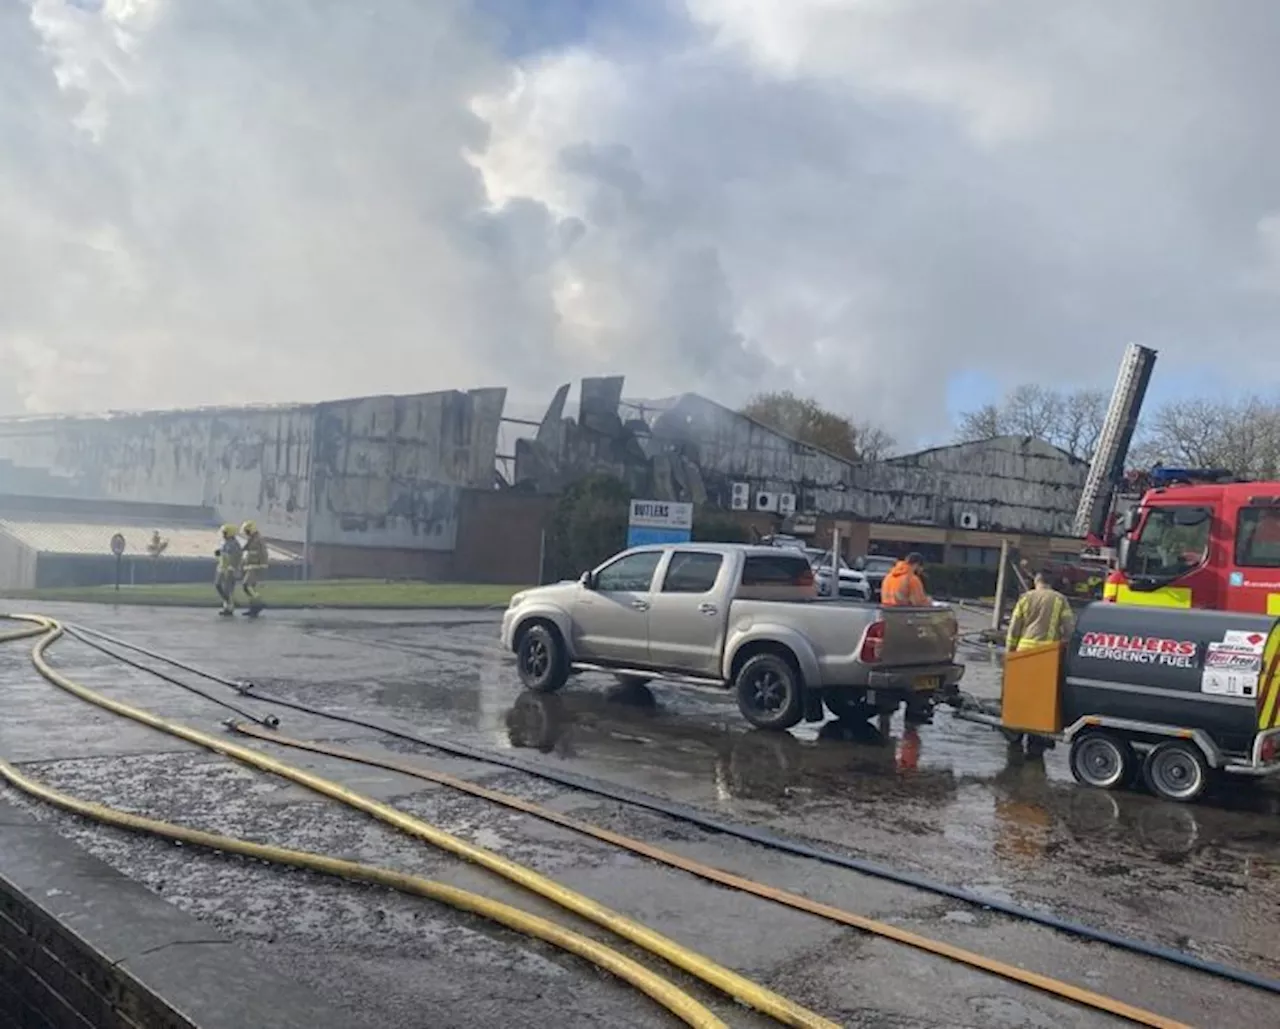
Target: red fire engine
pixel 1202 544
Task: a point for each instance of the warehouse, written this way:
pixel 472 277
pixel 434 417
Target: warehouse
pixel 42 552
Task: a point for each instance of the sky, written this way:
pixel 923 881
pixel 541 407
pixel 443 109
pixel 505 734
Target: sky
pixel 899 207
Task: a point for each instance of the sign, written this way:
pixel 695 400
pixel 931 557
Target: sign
pixel 804 525
pixel 1147 650
pixel 1231 670
pixel 117 548
pixel 659 521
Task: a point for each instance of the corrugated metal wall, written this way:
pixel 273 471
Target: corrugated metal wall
pixel 388 470
pixel 17 565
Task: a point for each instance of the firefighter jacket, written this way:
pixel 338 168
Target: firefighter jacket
pixel 229 556
pixel 255 553
pixel 902 588
pixel 1041 616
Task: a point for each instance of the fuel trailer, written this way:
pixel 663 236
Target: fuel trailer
pixel 1177 697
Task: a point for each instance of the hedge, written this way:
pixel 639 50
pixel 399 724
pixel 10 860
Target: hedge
pixel 963 582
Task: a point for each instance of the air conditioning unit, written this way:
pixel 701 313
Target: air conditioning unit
pixel 740 497
pixel 786 503
pixel 968 519
pixel 766 501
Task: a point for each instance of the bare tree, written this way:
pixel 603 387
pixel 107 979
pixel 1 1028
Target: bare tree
pixel 984 423
pixel 873 443
pixel 1071 421
pixel 1242 436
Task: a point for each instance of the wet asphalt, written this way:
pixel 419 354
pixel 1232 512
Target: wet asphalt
pixel 952 802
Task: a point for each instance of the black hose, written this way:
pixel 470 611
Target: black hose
pixel 744 832
pixel 266 721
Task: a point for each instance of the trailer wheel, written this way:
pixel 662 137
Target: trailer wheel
pixel 1102 760
pixel 1176 770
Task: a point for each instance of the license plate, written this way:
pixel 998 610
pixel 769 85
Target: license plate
pixel 928 682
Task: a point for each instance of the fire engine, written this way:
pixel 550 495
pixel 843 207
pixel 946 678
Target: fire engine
pixel 1203 542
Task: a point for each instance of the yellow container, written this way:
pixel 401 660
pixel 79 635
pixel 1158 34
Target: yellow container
pixel 1031 694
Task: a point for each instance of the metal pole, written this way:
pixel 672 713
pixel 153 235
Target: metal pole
pixel 835 563
pixel 998 613
pixel 117 573
pixel 542 557
pixel 311 499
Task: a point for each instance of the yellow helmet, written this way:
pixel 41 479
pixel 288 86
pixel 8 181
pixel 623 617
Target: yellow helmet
pixel 249 528
pixel 228 531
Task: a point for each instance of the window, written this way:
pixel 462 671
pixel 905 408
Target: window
pixel 1173 541
pixel 1258 537
pixel 630 574
pixel 691 572
pixel 777 570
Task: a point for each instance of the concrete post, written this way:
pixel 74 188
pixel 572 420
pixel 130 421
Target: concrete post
pixel 998 612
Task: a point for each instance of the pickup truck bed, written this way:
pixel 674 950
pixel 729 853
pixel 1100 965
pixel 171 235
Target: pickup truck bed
pixel 736 617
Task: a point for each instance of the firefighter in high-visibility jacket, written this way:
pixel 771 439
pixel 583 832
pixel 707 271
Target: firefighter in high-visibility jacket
pixel 255 566
pixel 1042 615
pixel 229 559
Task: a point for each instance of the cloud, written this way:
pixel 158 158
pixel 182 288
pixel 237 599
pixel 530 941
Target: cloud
pixel 866 200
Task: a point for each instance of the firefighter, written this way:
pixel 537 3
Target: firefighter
pixel 903 587
pixel 1042 615
pixel 229 561
pixel 255 567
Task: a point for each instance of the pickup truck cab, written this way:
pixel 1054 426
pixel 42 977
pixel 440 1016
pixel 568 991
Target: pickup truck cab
pixel 734 616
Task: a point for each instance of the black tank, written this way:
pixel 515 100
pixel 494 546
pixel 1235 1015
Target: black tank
pixel 1193 669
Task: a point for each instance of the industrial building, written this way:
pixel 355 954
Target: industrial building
pixel 415 486
pixel 54 542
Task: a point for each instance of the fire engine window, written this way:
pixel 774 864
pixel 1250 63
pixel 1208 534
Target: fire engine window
pixel 1258 537
pixel 1174 540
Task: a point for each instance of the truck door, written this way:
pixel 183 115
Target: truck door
pixel 1168 563
pixel 1253 580
pixel 688 616
pixel 611 616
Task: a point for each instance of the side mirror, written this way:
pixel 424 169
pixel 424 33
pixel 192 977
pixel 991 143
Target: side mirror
pixel 1122 553
pixel 585 580
pixel 1131 518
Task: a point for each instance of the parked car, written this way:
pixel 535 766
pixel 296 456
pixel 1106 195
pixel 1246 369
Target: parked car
pixel 853 583
pixel 875 567
pixel 734 616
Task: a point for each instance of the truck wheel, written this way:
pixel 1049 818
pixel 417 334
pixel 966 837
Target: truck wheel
pixel 848 706
pixel 1176 770
pixel 1102 760
pixel 540 659
pixel 770 692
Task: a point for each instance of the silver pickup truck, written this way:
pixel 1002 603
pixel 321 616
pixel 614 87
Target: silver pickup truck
pixel 735 616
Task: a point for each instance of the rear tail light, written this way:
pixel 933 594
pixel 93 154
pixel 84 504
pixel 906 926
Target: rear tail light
pixel 805 578
pixel 1270 746
pixel 872 644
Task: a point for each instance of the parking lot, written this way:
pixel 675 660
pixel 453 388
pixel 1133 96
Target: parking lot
pixel 950 802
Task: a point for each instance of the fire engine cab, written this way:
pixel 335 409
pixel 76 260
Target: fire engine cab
pixel 1202 544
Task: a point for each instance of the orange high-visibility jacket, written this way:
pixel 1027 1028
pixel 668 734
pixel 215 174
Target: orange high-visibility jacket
pixel 902 588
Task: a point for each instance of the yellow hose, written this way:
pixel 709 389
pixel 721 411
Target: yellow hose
pixel 731 983
pixel 668 995
pixel 1055 987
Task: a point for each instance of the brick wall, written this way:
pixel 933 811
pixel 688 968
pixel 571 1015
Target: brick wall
pixel 336 562
pixel 500 536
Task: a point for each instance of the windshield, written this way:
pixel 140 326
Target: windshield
pixel 879 564
pixel 823 560
pixel 1171 542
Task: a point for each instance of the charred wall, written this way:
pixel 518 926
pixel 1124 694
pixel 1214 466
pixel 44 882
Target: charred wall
pixel 691 448
pixel 387 470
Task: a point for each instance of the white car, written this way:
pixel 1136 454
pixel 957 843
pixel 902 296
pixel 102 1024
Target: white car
pixel 853 583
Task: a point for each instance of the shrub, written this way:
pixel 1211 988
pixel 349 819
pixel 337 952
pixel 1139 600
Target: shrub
pixel 963 582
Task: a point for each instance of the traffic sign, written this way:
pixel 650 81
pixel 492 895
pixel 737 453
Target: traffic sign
pixel 117 544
